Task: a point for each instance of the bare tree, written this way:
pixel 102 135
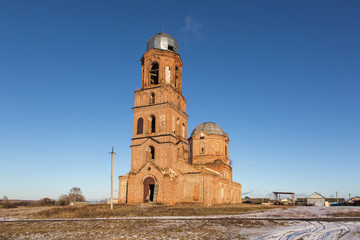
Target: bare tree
pixel 63 200
pixel 76 195
pixel 4 201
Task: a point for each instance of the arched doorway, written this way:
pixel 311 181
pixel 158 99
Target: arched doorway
pixel 149 189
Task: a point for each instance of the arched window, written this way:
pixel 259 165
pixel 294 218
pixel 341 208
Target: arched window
pixel 226 151
pixel 202 148
pixel 152 152
pixel 152 123
pixel 140 125
pixel 152 98
pixel 154 73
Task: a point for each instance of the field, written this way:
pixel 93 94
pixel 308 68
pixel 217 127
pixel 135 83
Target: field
pixel 178 222
pixel 103 211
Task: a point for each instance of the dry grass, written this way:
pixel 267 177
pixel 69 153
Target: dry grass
pixel 130 229
pixel 346 214
pixel 140 229
pixel 21 212
pixel 103 211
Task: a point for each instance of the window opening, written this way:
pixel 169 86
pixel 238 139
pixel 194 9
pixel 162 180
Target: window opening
pixel 152 152
pixel 152 123
pixel 140 125
pixel 178 127
pixel 226 151
pixel 177 73
pixel 154 73
pixel 171 47
pixel 152 98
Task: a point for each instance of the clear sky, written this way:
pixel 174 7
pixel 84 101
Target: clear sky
pixel 280 77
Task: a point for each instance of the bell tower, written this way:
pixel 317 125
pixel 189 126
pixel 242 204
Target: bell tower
pixel 160 120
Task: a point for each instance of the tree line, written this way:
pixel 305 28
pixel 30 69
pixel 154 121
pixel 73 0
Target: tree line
pixel 75 195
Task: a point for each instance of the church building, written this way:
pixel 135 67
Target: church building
pixel 166 167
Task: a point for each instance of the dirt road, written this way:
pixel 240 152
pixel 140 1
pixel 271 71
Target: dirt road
pixel 316 230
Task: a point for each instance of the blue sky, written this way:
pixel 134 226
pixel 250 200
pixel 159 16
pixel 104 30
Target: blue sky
pixel 280 77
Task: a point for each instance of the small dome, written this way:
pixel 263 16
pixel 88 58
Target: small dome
pixel 163 41
pixel 208 127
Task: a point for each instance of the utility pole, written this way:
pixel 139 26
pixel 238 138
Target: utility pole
pixel 112 163
pixel 337 199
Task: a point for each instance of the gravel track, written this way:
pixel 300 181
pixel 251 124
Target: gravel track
pixel 313 230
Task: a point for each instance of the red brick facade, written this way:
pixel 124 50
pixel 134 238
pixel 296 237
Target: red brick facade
pixel 162 170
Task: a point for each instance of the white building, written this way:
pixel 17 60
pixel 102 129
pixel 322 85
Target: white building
pixel 316 199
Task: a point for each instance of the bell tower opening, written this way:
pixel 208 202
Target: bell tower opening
pixel 154 73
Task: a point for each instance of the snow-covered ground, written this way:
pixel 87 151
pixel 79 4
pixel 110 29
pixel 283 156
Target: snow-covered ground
pixel 305 212
pixel 315 230
pixel 310 229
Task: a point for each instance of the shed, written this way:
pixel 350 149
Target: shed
pixel 355 201
pixel 316 199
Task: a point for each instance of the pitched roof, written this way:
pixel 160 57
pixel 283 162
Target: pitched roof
pixel 316 195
